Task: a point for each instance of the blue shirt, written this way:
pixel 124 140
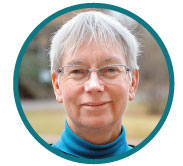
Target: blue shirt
pixel 71 144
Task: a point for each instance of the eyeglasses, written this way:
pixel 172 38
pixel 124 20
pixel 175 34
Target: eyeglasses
pixel 80 74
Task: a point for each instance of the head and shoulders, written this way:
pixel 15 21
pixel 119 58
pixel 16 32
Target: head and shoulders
pixel 94 74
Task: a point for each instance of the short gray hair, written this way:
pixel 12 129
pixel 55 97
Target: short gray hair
pixel 92 25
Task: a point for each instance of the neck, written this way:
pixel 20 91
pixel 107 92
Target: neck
pixel 97 136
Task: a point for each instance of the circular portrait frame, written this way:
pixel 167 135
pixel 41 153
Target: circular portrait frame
pixel 102 6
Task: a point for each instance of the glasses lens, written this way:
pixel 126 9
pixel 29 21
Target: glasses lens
pixel 77 73
pixel 112 72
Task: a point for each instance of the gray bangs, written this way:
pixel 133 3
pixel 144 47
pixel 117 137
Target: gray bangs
pixel 89 26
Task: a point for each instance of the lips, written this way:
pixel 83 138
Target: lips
pixel 95 104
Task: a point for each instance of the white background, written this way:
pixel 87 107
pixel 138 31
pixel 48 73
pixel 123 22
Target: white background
pixel 18 19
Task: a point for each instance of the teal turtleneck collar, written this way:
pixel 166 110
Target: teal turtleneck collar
pixel 71 144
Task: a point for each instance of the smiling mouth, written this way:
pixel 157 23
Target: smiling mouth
pixel 95 104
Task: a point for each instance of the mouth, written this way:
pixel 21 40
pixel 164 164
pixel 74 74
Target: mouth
pixel 95 104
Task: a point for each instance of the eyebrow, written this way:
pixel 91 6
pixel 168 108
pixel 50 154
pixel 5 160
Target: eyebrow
pixel 111 59
pixel 76 62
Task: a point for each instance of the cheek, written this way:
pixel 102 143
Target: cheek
pixel 120 97
pixel 71 95
pixel 123 92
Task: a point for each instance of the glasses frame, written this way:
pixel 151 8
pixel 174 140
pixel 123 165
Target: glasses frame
pixel 127 69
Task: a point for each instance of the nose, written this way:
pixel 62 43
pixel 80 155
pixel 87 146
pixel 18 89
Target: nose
pixel 94 84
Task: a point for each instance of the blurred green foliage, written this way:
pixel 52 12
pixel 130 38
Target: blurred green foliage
pixel 30 84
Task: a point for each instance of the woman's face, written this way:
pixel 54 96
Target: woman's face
pixel 95 103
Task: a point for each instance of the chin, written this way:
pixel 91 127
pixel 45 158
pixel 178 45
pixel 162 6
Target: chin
pixel 96 123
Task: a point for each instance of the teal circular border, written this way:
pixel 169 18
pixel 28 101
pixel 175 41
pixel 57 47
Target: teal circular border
pixel 104 6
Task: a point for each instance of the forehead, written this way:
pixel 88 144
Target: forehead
pixel 95 53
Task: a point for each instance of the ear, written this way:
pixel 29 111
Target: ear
pixel 56 87
pixel 134 84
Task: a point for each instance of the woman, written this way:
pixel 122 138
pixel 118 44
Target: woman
pixel 94 74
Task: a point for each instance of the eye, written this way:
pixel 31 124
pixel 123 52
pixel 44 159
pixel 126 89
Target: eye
pixel 111 69
pixel 76 71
